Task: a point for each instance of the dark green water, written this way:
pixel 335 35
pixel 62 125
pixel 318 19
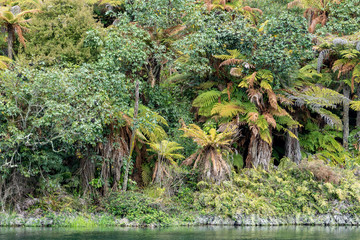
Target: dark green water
pixel 183 233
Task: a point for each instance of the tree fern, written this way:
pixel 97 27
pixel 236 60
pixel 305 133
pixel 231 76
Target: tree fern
pixel 210 155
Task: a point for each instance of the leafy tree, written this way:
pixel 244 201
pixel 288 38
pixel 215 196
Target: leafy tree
pixel 59 31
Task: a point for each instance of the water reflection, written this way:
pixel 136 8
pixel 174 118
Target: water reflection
pixel 182 233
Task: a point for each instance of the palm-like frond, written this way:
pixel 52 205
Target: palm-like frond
pixel 213 139
pixel 150 128
pixel 329 118
pixel 316 97
pixel 167 150
pixel 207 98
pixel 228 109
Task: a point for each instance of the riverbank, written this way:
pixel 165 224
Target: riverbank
pixel 102 220
pixel 309 194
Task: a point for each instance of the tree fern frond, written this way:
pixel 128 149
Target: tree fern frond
pixel 265 85
pixel 178 77
pixel 206 85
pixel 236 72
pixel 323 55
pixel 231 61
pixel 272 99
pixel 206 98
pixel 266 75
pixel 316 97
pixel 356 73
pixel 227 110
pixel 329 118
pixel 270 119
pixel 355 105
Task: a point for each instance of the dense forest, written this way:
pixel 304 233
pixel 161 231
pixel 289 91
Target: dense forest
pixel 150 109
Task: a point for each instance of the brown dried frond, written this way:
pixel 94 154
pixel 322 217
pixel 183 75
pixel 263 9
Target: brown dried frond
pixel 209 5
pixel 279 112
pixel 190 159
pixel 236 72
pixel 254 129
pixel 253 116
pixel 272 99
pixel 19 31
pixel 295 3
pixel 270 119
pixel 174 30
pixel 283 99
pixel 254 95
pixel 250 9
pixel 228 8
pixel 251 79
pixel 231 62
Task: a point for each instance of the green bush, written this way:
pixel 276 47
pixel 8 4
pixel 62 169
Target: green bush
pixel 57 33
pixel 315 188
pixel 136 207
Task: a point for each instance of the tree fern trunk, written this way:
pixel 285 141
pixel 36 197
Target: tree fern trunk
pixel 132 139
pixel 358 112
pixel 10 40
pixel 346 117
pixel 292 147
pixel 259 153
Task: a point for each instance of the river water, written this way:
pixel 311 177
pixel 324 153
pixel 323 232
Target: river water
pixel 183 233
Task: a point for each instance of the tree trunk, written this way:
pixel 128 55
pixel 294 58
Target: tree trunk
pixel 259 153
pixel 10 40
pixel 87 171
pixel 292 147
pixel 346 91
pixel 358 112
pixel 141 154
pixel 133 135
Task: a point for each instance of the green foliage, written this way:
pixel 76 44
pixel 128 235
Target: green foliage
pixel 58 33
pixel 324 143
pixel 282 44
pixel 136 206
pixel 344 18
pixel 49 113
pixel 286 191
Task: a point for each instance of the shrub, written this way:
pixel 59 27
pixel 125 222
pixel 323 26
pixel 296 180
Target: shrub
pixel 58 33
pixel 135 207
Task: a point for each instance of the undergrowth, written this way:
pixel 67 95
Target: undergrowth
pixel 312 188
